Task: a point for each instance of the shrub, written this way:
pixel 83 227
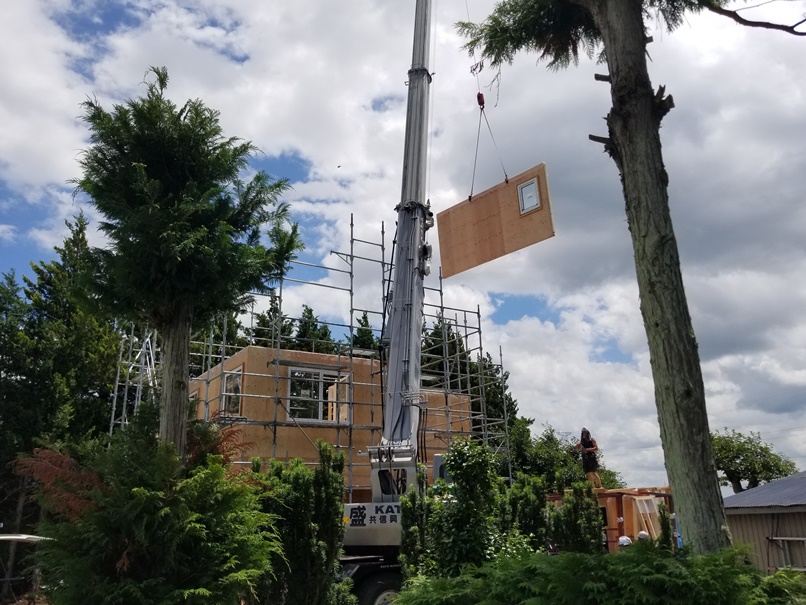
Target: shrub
pixel 130 524
pixel 576 526
pixel 454 524
pixel 642 574
pixel 309 505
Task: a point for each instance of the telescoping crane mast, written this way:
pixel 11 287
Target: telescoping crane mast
pixel 394 460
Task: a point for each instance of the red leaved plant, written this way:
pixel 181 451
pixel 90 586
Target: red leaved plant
pixel 65 487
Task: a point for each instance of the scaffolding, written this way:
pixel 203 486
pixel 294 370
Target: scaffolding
pixel 455 368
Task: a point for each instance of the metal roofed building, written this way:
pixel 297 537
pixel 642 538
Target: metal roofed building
pixel 771 518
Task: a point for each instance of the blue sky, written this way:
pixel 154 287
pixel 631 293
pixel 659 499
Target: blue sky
pixel 320 89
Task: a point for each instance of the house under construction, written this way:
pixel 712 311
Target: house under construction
pixel 284 395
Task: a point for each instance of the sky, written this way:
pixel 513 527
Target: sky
pixel 319 87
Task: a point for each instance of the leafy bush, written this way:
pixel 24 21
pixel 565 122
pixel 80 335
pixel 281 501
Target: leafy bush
pixel 454 524
pixel 642 574
pixel 309 505
pixel 577 525
pixel 129 524
pixel 526 501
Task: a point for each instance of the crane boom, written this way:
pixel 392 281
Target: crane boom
pixel 396 456
pixel 394 461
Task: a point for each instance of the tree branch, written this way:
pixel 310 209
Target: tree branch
pixel 789 29
pixel 663 104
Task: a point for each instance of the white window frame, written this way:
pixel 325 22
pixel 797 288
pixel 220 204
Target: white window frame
pixel 227 393
pixel 317 375
pixel 521 188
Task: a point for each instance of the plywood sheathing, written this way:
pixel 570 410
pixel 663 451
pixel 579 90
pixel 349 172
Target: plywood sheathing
pixel 490 224
pixel 266 425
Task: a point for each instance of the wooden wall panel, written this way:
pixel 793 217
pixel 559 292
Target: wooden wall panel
pixel 264 380
pixel 490 225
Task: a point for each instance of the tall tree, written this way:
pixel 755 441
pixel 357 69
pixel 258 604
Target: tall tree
pixel 76 352
pixel 271 327
pixel 15 417
pixel 746 458
pixel 557 29
pixel 57 368
pixel 311 335
pixel 185 233
pixel 364 336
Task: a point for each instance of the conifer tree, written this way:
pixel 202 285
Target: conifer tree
pixel 187 238
pixel 558 30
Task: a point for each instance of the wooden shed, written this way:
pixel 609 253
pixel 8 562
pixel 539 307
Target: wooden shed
pixel 285 400
pixel 771 519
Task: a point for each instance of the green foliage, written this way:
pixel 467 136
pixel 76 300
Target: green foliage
pixel 57 369
pixel 640 574
pixel 553 458
pixel 149 531
pixel 666 537
pixel 364 336
pixel 416 508
pixel 188 239
pixel 557 30
pixel 312 335
pixel 184 231
pixel 445 358
pixel 746 458
pixel 453 525
pixel 309 505
pixel 226 329
pixel 577 525
pixel 527 507
pixel 272 328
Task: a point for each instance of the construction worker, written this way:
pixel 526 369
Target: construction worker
pixel 590 464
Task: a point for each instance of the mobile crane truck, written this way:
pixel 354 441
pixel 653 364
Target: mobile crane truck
pixel 372 533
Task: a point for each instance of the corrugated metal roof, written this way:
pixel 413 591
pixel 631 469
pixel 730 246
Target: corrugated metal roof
pixel 789 491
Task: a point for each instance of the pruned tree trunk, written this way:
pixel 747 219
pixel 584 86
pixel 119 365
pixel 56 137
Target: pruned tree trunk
pixel 634 125
pixel 11 562
pixel 175 375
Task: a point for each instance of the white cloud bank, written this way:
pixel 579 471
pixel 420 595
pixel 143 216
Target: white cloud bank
pixel 324 82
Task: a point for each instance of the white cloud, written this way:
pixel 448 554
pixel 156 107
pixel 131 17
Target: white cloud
pixel 301 78
pixel 8 233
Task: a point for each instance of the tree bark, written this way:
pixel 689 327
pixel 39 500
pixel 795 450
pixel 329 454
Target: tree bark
pixel 174 395
pixel 634 126
pixel 11 562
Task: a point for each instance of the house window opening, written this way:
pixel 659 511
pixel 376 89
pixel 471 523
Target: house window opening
pixel 233 388
pixel 318 395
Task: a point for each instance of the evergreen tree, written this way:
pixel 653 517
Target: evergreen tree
pixel 76 352
pixel 271 327
pixel 309 506
pixel 234 340
pixel 364 336
pixel 577 525
pixel 312 335
pixel 57 371
pixel 558 29
pixel 17 418
pixel 129 524
pixel 185 232
pixel 552 458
